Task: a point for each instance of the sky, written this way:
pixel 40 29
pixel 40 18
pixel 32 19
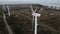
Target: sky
pixel 43 2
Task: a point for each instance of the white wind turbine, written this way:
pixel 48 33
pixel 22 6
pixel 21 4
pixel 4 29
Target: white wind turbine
pixel 5 21
pixel 34 19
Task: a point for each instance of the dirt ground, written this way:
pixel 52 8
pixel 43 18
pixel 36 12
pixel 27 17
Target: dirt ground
pixel 21 22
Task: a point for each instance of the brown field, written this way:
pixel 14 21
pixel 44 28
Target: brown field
pixel 21 21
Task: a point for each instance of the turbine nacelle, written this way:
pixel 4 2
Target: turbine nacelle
pixel 36 14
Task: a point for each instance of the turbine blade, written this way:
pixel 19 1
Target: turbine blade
pixel 31 8
pixel 8 10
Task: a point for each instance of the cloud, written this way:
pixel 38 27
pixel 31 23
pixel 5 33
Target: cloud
pixel 43 2
pixel 17 0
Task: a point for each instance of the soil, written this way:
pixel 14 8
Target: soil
pixel 21 22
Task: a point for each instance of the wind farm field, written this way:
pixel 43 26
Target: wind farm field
pixel 21 21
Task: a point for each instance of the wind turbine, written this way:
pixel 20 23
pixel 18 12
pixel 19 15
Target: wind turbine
pixel 43 2
pixel 5 21
pixel 34 19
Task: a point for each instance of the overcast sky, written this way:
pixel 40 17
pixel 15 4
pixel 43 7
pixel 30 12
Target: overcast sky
pixel 43 2
pixel 32 0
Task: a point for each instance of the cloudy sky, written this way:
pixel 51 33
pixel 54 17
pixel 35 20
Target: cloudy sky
pixel 43 2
